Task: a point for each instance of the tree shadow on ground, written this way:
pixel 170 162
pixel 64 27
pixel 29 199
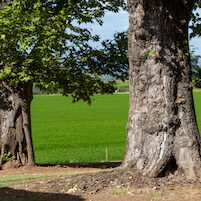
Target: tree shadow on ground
pixel 9 194
pixel 101 165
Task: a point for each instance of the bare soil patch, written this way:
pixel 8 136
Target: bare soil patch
pixel 98 183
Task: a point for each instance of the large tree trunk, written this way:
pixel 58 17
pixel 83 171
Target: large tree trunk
pixel 15 123
pixel 162 130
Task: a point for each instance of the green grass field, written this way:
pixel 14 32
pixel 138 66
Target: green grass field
pixel 197 102
pixel 76 132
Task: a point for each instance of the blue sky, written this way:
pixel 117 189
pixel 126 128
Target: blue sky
pixel 196 43
pixel 116 22
pixel 112 22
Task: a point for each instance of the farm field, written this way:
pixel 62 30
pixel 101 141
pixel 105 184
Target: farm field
pixel 76 132
pixel 197 103
pixel 66 132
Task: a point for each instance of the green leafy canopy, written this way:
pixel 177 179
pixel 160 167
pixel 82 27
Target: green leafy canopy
pixel 44 42
pixel 112 57
pixel 195 24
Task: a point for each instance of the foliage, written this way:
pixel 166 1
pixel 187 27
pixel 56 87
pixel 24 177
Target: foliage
pixel 197 82
pixel 196 70
pixel 195 19
pixel 49 90
pixel 112 56
pixel 8 156
pixel 44 42
pixel 195 64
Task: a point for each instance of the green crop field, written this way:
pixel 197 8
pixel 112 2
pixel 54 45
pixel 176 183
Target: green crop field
pixel 197 102
pixel 76 132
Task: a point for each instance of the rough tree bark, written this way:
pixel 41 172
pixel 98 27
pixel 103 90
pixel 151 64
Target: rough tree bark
pixel 162 130
pixel 15 124
pixel 15 121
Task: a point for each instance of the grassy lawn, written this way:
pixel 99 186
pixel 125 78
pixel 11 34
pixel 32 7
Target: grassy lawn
pixel 66 132
pixel 15 179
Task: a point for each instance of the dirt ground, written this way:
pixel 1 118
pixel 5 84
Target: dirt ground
pixel 96 183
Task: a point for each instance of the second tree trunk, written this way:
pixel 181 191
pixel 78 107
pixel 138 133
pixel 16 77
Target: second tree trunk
pixel 15 123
